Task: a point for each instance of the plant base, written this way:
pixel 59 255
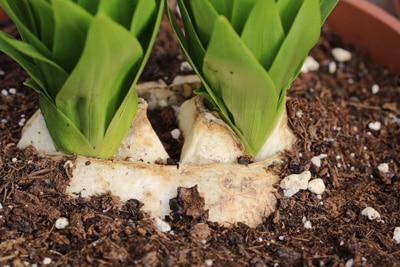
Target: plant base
pixel 232 192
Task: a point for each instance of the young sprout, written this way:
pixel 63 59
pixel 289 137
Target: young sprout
pixel 84 58
pixel 247 53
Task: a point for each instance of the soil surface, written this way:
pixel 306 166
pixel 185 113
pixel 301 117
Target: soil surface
pixel 351 115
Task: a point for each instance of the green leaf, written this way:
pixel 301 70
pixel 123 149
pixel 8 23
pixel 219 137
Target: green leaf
pixel 89 110
pixel 288 10
pixel 194 52
pixel 119 11
pixel 303 35
pixel 70 140
pixel 93 92
pixel 190 41
pixel 45 72
pixel 118 127
pixel 240 12
pixel 204 16
pixel 245 78
pixel 265 41
pixel 148 36
pixel 41 10
pixel 234 74
pixel 21 14
pixel 223 7
pixel 71 26
pixel 66 136
pixel 145 12
pixel 326 8
pixel 90 6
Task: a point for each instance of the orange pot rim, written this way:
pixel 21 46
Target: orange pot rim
pixel 363 23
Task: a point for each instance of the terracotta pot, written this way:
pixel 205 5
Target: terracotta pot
pixel 3 15
pixel 387 5
pixel 397 7
pixel 363 23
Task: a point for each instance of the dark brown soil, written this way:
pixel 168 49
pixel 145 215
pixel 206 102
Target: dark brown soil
pixel 330 113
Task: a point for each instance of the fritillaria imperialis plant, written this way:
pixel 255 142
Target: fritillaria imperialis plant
pixel 247 53
pixel 84 58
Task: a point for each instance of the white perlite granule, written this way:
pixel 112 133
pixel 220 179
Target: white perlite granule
pixel 349 263
pixel 341 55
pixel 396 235
pixel 375 89
pixel 185 66
pixel 293 183
pixel 61 223
pixel 316 160
pixel 47 261
pixel 371 213
pixel 12 91
pixel 175 133
pixel 307 225
pixel 162 226
pixel 376 126
pixel 208 262
pixel 310 64
pixel 383 167
pixel 316 186
pixel 332 67
pixel 21 122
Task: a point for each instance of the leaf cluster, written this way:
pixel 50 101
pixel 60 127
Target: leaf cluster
pixel 247 53
pixel 84 58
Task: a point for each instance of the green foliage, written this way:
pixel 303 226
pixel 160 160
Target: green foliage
pixel 247 53
pixel 84 58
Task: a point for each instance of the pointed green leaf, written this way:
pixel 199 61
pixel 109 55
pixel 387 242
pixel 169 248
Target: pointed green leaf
pixel 204 17
pixel 123 118
pixel 276 36
pixel 288 10
pixel 194 52
pixel 264 42
pixel 190 42
pixel 223 7
pixel 71 26
pixel 240 12
pixel 118 127
pixel 326 8
pixel 41 10
pixel 248 92
pixel 90 6
pixel 20 13
pixel 119 11
pixel 90 100
pixel 145 12
pixel 65 135
pixel 303 35
pixel 148 37
pixel 146 29
pixel 45 72
pixel 90 111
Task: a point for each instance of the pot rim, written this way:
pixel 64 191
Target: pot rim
pixel 397 6
pixel 363 23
